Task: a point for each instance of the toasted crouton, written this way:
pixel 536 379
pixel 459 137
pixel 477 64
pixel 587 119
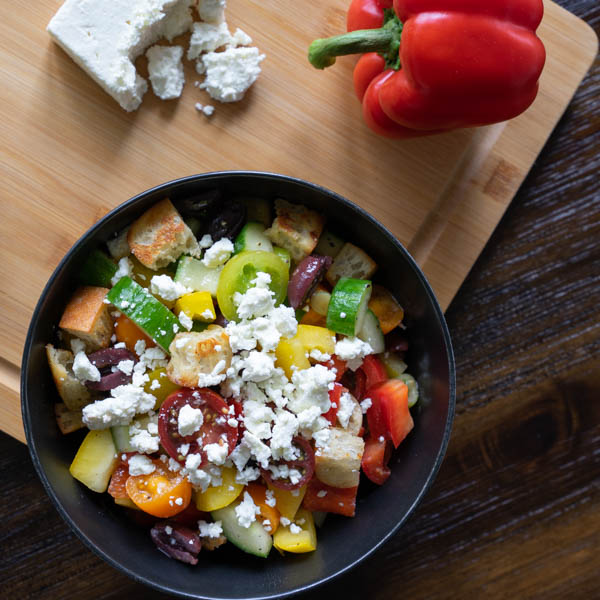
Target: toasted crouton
pixel 73 393
pixel 338 464
pixel 296 228
pixel 356 419
pixel 195 354
pixel 67 420
pixel 160 236
pixel 351 262
pixel 87 317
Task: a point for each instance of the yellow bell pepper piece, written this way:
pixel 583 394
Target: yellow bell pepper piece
pixel 164 388
pixel 291 353
pixel 303 541
pixel 95 460
pixel 316 338
pixel 198 306
pixel 220 496
pixel 286 502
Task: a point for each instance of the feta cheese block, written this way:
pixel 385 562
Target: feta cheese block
pixel 230 73
pixel 212 11
pixel 207 37
pixel 104 37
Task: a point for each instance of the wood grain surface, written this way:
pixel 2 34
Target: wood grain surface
pixel 514 510
pixel 70 153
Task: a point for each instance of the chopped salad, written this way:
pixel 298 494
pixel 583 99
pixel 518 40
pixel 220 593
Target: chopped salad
pixel 236 372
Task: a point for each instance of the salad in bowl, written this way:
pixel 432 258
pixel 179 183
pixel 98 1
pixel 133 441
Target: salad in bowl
pixel 237 368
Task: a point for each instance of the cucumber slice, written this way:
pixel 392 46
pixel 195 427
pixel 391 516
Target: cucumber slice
pixel 121 438
pixel 284 255
pixel 95 460
pixel 393 364
pixel 329 244
pixel 371 333
pixel 348 306
pixel 98 269
pixel 150 315
pixel 195 275
pixel 413 388
pixel 252 237
pixel 259 210
pixel 254 540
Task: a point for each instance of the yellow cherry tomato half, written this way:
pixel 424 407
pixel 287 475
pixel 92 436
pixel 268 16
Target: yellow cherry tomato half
pixel 161 493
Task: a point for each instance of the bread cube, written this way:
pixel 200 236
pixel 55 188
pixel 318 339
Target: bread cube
pixel 351 262
pixel 296 228
pixel 67 420
pixel 338 464
pixel 196 353
pixel 87 317
pixel 160 236
pixel 73 393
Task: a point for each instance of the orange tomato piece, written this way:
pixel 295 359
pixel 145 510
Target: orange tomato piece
pixel 386 308
pixel 161 493
pixel 129 333
pixel 313 318
pixel 258 493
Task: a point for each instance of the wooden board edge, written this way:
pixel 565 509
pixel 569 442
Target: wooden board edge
pixel 10 407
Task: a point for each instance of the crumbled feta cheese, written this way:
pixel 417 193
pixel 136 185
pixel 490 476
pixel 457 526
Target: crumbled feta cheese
pixel 246 511
pixel 165 70
pixel 126 366
pixel 179 20
pixel 207 37
pixel 260 451
pixel 345 410
pixel 210 530
pixel 84 370
pixel 240 38
pixel 216 376
pixel 141 465
pixel 216 453
pixel 258 366
pixel 295 529
pixel 144 438
pixel 230 73
pixel 285 521
pixel 208 315
pixel 124 269
pixel 366 404
pixel 352 350
pixel 322 493
pixel 256 302
pixel 189 420
pixel 166 288
pixel 270 498
pixel 205 241
pixel 218 253
pixel 119 409
pixel 212 11
pixel 319 356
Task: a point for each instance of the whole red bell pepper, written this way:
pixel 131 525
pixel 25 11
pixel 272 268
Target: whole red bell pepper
pixel 436 65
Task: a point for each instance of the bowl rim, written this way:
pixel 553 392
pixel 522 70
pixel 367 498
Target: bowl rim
pixel 26 415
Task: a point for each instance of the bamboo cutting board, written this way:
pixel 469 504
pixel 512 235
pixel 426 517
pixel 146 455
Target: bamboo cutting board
pixel 70 153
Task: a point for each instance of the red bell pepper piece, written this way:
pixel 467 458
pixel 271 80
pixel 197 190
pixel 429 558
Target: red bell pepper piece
pixel 375 458
pixel 389 416
pixel 334 398
pixel 436 65
pixel 374 371
pixel 326 498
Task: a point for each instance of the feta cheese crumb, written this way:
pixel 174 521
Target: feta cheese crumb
pixel 205 241
pixel 352 350
pixel 216 453
pixel 189 420
pixel 126 366
pixel 218 253
pixel 207 37
pixel 366 404
pixel 166 288
pixel 83 369
pixel 212 11
pixel 165 70
pixel 270 498
pixel 119 409
pixel 141 465
pixel 124 269
pixel 187 322
pixel 322 493
pixel 295 529
pixel 345 409
pixel 285 521
pixel 210 530
pixel 206 109
pixel 246 511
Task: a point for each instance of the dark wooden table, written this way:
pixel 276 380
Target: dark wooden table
pixel 515 509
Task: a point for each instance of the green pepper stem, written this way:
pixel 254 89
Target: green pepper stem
pixel 322 53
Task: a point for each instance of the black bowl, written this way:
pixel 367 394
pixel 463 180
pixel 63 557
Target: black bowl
pixel 342 542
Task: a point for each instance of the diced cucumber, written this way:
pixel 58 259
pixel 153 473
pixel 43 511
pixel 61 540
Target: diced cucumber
pixel 254 539
pixel 393 364
pixel 192 273
pixel 252 237
pixel 98 269
pixel 348 306
pixel 259 210
pixel 329 244
pixel 370 332
pixel 150 315
pixel 413 388
pixel 95 460
pixel 284 255
pixel 121 438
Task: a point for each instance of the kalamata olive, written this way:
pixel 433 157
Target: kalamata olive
pixel 104 360
pixel 176 541
pixel 200 205
pixel 228 222
pixel 306 277
pixel 396 341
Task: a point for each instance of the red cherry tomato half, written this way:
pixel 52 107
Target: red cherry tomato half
pixel 305 464
pixel 214 430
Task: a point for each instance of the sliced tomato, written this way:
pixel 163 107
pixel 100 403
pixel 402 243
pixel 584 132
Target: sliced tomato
pixel 305 464
pixel 116 487
pixel 374 371
pixel 214 430
pixel 161 493
pixel 375 459
pixel 269 513
pixel 326 498
pixel 389 416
